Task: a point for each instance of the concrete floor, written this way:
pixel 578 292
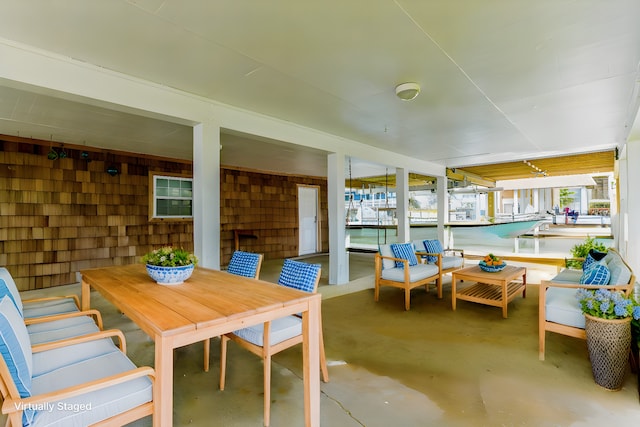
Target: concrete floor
pixel 428 366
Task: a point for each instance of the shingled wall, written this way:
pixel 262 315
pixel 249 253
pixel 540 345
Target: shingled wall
pixel 60 216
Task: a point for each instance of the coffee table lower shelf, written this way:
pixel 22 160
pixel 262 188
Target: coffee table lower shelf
pixel 490 294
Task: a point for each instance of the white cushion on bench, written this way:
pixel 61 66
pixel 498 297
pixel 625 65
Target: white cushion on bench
pixel 562 307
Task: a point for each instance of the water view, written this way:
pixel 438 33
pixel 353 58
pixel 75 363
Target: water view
pixel 554 242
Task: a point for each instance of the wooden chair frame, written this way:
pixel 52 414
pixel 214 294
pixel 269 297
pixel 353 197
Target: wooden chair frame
pixel 207 342
pixel 407 285
pixel 13 402
pixel 266 351
pixel 440 269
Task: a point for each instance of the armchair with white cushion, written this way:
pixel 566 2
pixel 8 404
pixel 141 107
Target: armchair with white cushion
pixel 398 266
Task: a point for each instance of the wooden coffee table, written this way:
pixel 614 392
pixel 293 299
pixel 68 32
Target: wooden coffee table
pixel 495 289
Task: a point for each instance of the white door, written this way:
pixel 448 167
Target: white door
pixel 308 219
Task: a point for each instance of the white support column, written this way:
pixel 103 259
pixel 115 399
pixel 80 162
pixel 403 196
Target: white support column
pixel 206 194
pixel 443 209
pixel 626 220
pixel 584 202
pixel 338 256
pixel 402 205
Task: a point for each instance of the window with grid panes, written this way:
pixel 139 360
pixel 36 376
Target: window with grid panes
pixel 172 197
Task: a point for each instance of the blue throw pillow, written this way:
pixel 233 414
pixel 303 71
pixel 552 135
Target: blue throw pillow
pixel 299 275
pixel 404 251
pixel 597 274
pixel 592 256
pixel 588 262
pixel 433 247
pixel 244 264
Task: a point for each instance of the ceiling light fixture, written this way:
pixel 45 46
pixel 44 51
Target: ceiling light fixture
pixel 407 91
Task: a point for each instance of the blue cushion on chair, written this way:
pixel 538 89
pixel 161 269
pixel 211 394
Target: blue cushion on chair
pixel 299 275
pixel 433 247
pixel 15 346
pixel 244 264
pixel 597 274
pixel 404 251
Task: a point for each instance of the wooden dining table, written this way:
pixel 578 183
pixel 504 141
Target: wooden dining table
pixel 210 303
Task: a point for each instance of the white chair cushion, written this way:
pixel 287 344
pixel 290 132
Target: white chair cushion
pixel 568 276
pixel 281 329
pixel 385 250
pixel 49 308
pixel 451 262
pixel 416 272
pixel 61 329
pixel 93 407
pixel 620 273
pixel 562 307
pixel 51 360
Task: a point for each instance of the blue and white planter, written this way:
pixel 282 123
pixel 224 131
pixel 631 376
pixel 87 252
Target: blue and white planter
pixel 169 275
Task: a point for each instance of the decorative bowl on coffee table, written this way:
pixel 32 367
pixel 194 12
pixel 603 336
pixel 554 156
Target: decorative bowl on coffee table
pixel 491 268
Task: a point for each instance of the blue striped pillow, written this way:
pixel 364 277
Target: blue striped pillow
pixel 404 251
pixel 433 247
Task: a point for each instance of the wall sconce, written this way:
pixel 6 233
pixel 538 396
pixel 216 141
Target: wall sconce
pixel 113 170
pixel 85 156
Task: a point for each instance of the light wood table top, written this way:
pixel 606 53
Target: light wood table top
pixel 495 289
pixel 210 303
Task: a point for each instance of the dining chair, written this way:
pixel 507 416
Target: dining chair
pixel 272 337
pixel 246 264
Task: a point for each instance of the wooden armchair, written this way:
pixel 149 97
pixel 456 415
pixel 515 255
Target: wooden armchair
pixel 447 260
pixel 559 310
pixel 36 307
pixel 80 381
pixel 406 272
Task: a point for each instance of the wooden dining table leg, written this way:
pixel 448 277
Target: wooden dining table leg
pixel 311 362
pixel 163 385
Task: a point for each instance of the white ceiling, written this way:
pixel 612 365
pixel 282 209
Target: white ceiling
pixel 501 79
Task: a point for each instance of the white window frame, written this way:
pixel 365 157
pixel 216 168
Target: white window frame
pixel 154 196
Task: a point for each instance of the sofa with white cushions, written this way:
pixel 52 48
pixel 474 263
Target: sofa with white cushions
pixel 559 309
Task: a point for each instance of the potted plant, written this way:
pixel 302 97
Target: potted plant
pixel 581 250
pixel 608 315
pixel 169 265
